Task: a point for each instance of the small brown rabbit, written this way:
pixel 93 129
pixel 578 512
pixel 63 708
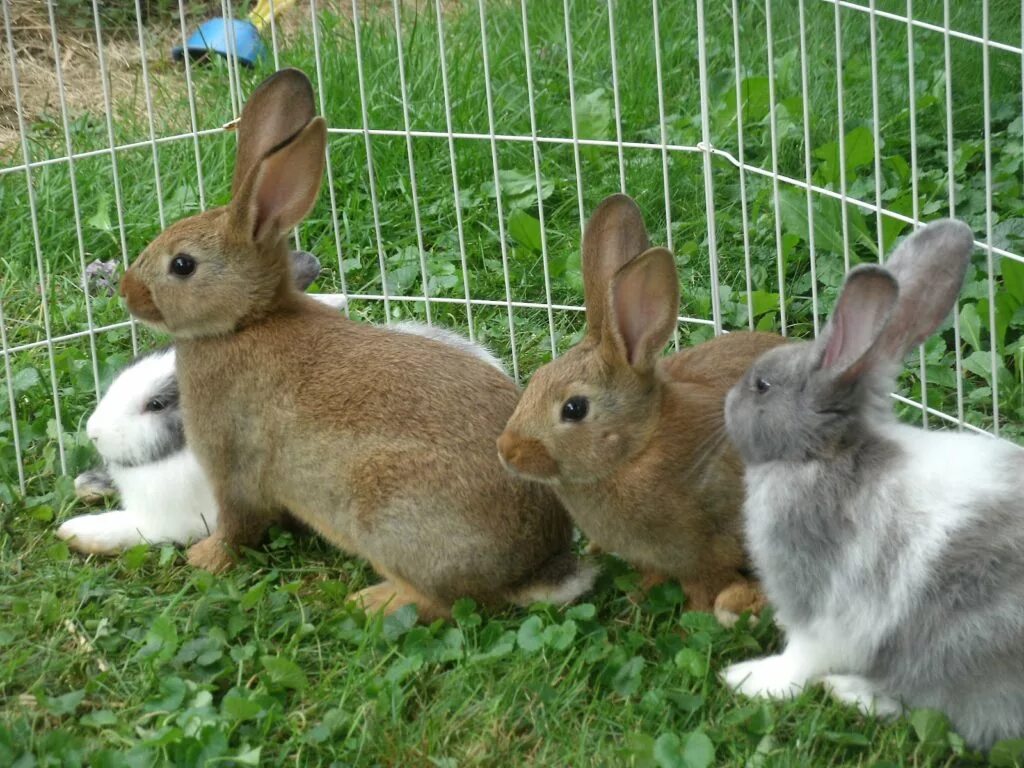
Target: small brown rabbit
pixel 382 441
pixel 635 443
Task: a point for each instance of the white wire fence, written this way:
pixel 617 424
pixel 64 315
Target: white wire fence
pixel 771 145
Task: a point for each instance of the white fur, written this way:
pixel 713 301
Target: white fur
pixel 562 593
pixel 337 300
pixel 168 501
pixel 450 338
pixel 862 694
pixel 120 428
pixel 781 676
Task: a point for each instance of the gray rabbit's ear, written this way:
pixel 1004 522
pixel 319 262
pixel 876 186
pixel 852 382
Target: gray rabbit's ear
pixel 305 268
pixel 614 234
pixel 851 342
pixel 643 304
pixel 929 267
pixel 280 107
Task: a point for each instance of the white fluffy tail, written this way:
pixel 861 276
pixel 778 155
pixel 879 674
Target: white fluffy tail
pixel 561 580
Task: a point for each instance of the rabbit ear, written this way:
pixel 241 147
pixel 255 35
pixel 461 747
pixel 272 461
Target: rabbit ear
pixel 280 107
pixel 851 342
pixel 613 236
pixel 643 305
pixel 305 268
pixel 279 191
pixel 929 267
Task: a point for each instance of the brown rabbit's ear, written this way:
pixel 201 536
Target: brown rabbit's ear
pixel 280 107
pixel 643 304
pixel 614 234
pixel 853 341
pixel 929 266
pixel 281 189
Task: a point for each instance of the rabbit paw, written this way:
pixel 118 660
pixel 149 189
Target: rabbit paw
pixel 772 678
pixel 862 694
pixel 103 534
pixel 737 598
pixel 211 554
pixel 94 486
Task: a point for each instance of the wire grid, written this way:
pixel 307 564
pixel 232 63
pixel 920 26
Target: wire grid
pixel 716 161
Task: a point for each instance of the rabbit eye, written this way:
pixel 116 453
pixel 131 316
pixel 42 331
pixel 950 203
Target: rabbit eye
pixel 154 406
pixel 575 409
pixel 183 265
pixel 763 385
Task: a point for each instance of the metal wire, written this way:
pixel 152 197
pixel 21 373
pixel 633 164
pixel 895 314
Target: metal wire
pixel 719 164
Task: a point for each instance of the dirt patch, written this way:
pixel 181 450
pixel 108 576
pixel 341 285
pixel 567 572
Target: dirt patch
pixel 79 55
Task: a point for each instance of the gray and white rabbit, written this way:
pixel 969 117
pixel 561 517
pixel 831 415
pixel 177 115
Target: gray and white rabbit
pixel 894 556
pixel 138 430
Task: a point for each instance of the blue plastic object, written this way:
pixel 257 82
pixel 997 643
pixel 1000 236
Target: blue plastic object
pixel 212 37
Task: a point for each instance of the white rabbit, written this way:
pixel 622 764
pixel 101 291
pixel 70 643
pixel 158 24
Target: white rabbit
pixel 894 557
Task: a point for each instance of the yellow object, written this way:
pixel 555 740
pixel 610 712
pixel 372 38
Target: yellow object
pixel 260 15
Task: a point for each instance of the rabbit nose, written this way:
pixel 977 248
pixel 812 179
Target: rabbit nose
pixel 139 298
pixel 526 456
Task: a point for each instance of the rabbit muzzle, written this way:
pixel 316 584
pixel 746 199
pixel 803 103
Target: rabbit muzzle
pixel 139 299
pixel 526 457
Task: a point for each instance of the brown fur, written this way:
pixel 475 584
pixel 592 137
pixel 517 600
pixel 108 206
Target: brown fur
pixel 649 474
pixel 382 442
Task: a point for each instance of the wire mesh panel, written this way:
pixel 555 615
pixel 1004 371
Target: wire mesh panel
pixel 772 145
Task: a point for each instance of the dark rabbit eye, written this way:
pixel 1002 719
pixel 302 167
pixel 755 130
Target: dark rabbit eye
pixel 183 265
pixel 575 409
pixel 763 385
pixel 155 405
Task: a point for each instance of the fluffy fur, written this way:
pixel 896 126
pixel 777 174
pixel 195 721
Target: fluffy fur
pixel 894 557
pixel 381 441
pixel 648 472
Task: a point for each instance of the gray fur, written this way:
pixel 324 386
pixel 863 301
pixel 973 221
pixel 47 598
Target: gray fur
pixel 922 596
pixel 962 650
pixel 95 486
pixel 305 269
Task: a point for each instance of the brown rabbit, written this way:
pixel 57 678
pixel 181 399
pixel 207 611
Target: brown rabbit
pixel 635 443
pixel 381 441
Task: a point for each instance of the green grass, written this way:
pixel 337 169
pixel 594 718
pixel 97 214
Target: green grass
pixel 180 665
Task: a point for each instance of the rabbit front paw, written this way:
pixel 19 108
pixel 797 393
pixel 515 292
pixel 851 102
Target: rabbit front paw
pixel 771 678
pixel 862 694
pixel 103 534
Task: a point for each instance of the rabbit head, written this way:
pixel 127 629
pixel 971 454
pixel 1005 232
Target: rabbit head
pixel 219 270
pixel 589 410
pixel 139 419
pixel 809 400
